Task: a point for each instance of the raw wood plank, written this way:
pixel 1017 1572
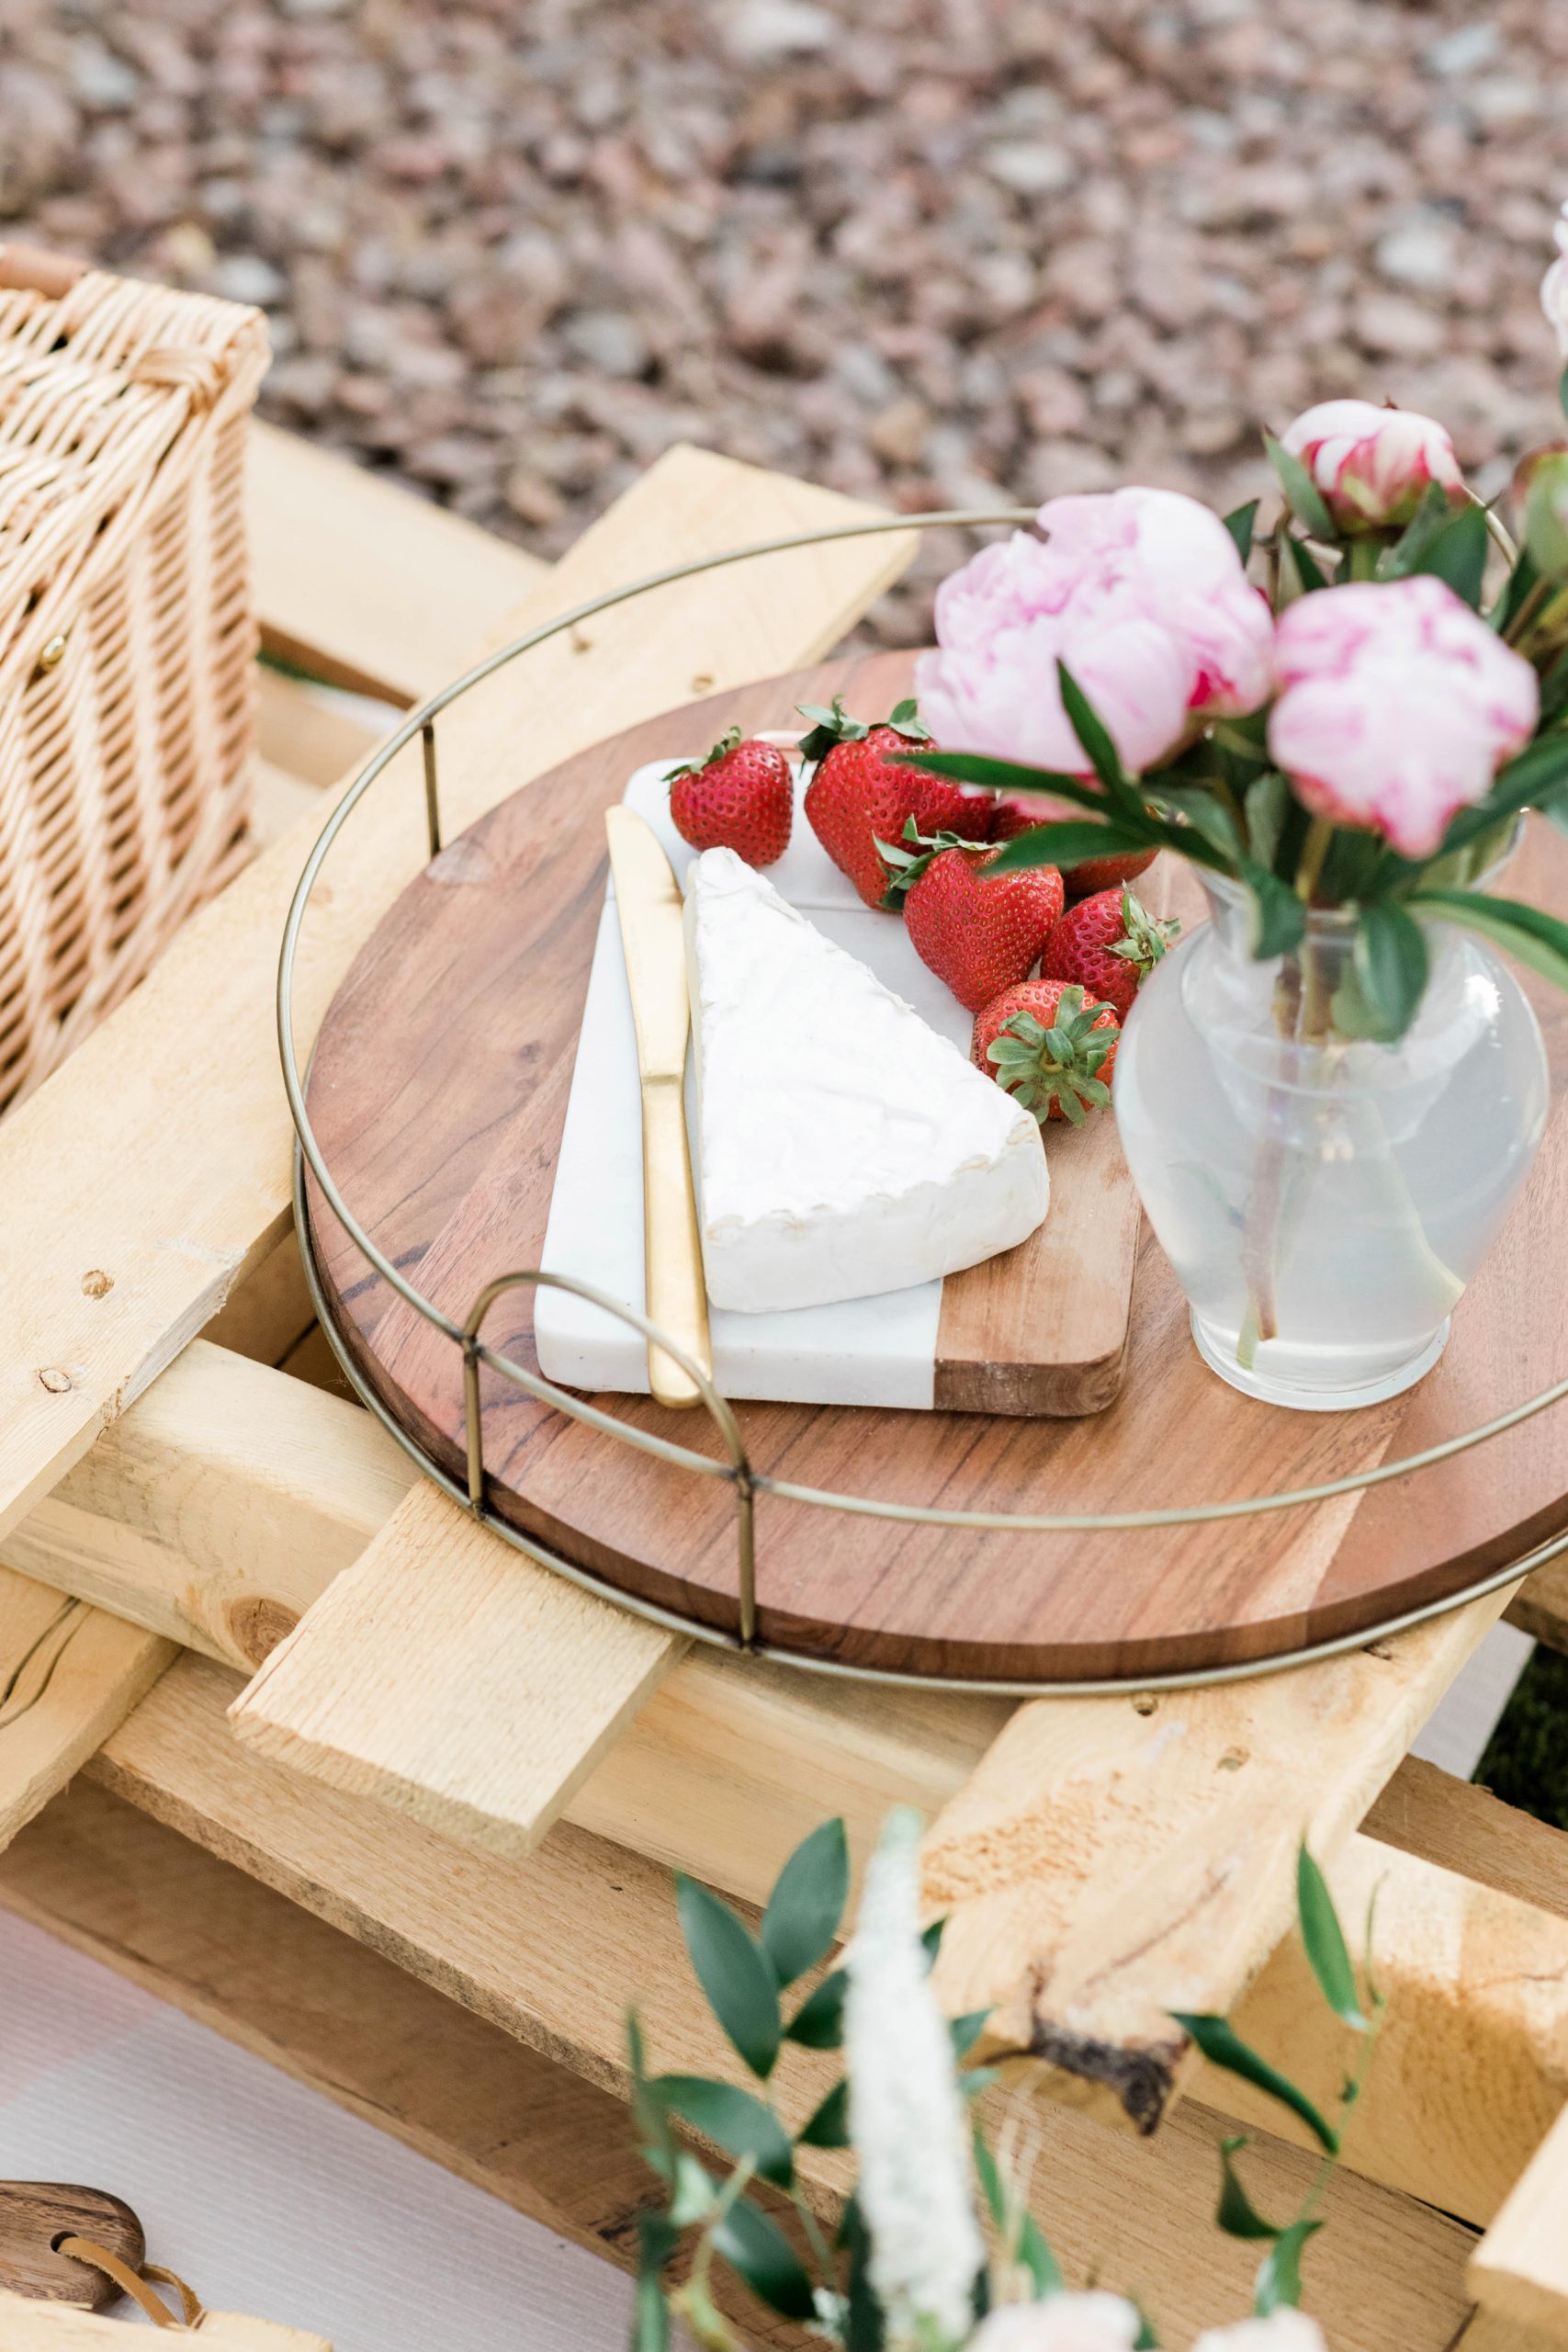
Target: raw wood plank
pixel 1485 2333
pixel 267 1314
pixel 553 1950
pixel 159 1155
pixel 341 2017
pixel 262 1487
pixel 364 584
pixel 1114 1859
pixel 1520 2271
pixel 1472 2066
pixel 1541 1607
pixel 1427 1812
pixel 54 2328
pixel 68 1675
pixel 305 734
pixel 452 1678
pixel 312 1359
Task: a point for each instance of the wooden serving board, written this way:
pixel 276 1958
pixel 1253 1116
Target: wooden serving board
pixel 438 1091
pixel 1042 1328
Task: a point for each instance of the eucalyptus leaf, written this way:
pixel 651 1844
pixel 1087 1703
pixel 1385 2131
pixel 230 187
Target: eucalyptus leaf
pixel 818 2023
pixel 864 2330
pixel 1241 523
pixel 1538 939
pixel 734 1971
pixel 653 2130
pixel 1235 2213
pixel 657 2241
pixel 1279 2283
pixel 807 1902
pixel 1324 1940
pixel 758 2250
pixel 930 1941
pixel 736 2121
pixel 827 2126
pixel 1025 2242
pixel 1222 2046
pixel 965 2031
pixel 1304 498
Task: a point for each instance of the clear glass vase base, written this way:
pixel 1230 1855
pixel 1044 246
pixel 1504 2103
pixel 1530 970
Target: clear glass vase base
pixel 1303 1396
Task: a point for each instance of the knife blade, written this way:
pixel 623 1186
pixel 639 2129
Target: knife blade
pixel 652 919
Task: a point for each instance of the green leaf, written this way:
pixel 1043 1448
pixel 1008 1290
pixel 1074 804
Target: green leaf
pixel 1241 522
pixel 1091 731
pixel 734 1971
pixel 807 1903
pixel 1278 916
pixel 1235 2213
pixel 1516 589
pixel 1537 939
pixel 864 2330
pixel 1457 554
pixel 759 2252
pixel 930 1941
pixel 736 2121
pixel 657 2240
pixel 1069 844
pixel 1563 392
pixel 965 2031
pixel 828 2125
pixel 1300 574
pixel 1390 964
pixel 1265 805
pixel 653 2132
pixel 1024 2240
pixel 1324 1940
pixel 1222 2046
pixel 1398 561
pixel 1302 493
pixel 818 2023
pixel 1279 2282
pixel 1007 775
pixel 1208 816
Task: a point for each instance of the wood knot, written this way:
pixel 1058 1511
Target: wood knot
pixel 1145 1704
pixel 702 683
pixel 1233 1759
pixel 96 1284
pixel 58 1383
pixel 256 1626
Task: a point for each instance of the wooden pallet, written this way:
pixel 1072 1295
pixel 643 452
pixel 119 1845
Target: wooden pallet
pixel 301 1682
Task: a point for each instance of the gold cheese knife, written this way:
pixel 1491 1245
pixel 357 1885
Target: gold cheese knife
pixel 652 919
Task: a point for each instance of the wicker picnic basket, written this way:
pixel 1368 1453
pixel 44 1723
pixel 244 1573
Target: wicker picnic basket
pixel 128 636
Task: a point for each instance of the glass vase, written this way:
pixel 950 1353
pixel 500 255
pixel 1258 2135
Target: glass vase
pixel 1323 1200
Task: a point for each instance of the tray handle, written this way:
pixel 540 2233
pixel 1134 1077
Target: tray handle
pixel 31 270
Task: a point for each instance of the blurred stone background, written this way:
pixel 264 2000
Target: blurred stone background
pixel 929 251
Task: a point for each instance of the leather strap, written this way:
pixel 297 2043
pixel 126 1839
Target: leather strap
pixel 126 2280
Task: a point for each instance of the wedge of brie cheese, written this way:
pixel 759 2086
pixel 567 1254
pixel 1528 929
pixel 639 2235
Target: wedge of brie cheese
pixel 844 1149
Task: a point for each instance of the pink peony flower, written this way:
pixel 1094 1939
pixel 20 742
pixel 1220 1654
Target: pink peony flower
pixel 1140 591
pixel 1398 706
pixel 1372 465
pixel 1554 285
pixel 1092 2322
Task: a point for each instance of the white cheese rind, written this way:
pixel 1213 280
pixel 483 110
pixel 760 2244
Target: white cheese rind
pixel 845 1148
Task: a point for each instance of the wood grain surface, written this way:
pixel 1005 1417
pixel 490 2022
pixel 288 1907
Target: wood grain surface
pixel 438 1093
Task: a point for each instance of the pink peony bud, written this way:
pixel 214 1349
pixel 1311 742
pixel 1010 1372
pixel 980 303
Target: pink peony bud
pixel 1554 285
pixel 1372 465
pixel 1140 591
pixel 1398 706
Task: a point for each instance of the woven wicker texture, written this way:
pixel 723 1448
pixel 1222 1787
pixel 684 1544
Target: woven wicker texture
pixel 128 638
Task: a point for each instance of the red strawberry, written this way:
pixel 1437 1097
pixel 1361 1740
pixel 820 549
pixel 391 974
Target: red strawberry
pixel 1110 944
pixel 1050 1048
pixel 977 930
pixel 1019 811
pixel 860 795
pixel 740 797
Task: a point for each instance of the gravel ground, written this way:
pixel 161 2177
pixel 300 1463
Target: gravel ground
pixel 927 251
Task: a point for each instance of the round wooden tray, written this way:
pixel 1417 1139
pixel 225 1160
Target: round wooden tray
pixel 437 1093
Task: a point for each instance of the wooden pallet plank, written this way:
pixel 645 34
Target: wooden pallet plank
pixel 1541 1608
pixel 362 583
pixel 449 1677
pixel 268 1313
pixel 1114 1859
pixel 28 2326
pixel 553 1949
pixel 152 1171
pixel 279 801
pixel 1484 2331
pixel 69 1675
pixel 344 2020
pixel 1520 2271
pixel 1425 1811
pixel 303 732
pixel 1471 2066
